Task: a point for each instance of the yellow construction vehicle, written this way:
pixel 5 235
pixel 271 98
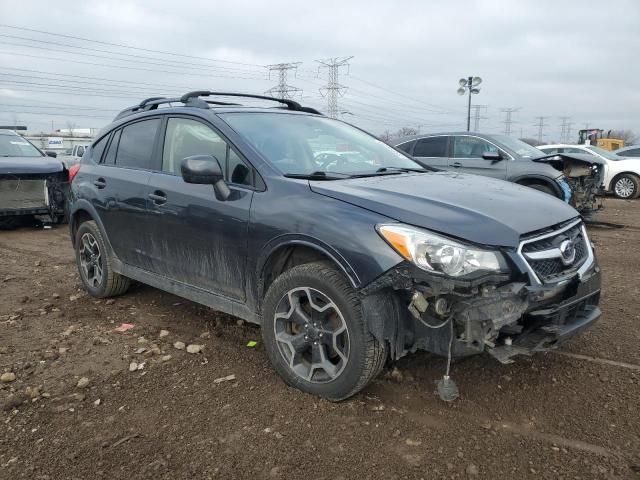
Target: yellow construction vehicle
pixel 595 136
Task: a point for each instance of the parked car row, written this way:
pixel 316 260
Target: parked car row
pixel 347 251
pixel 576 179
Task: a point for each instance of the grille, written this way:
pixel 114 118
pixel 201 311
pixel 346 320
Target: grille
pixel 21 194
pixel 549 269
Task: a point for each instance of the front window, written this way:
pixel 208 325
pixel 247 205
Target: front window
pixel 16 146
pixel 471 147
pixel 521 148
pixel 603 153
pixel 305 144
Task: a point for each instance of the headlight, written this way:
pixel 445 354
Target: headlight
pixel 438 254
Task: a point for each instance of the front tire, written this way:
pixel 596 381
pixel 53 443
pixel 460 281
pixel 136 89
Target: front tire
pixel 626 186
pixel 314 333
pixel 94 263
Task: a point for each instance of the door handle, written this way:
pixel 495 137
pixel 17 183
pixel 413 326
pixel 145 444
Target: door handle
pixel 456 164
pixel 158 197
pixel 100 183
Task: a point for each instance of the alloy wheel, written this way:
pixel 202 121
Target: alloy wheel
pixel 312 335
pixel 91 260
pixel 625 188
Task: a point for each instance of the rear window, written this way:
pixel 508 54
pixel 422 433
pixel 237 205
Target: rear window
pixel 137 140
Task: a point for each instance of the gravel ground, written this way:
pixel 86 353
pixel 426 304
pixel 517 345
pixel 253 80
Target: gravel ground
pixel 90 402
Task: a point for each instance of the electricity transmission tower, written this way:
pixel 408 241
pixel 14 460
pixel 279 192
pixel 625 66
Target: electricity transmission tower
pixel 333 89
pixel 477 116
pixel 568 132
pixel 508 121
pixel 282 90
pixel 565 129
pixel 540 126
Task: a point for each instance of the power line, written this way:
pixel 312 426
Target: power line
pixel 508 121
pixel 540 126
pixel 121 45
pixel 161 62
pixel 129 67
pixel 134 56
pixel 283 90
pixel 333 89
pixel 477 117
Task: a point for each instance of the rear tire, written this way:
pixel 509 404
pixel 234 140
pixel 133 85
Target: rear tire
pixel 315 335
pixel 95 265
pixel 626 186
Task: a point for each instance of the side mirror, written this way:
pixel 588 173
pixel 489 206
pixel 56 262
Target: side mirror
pixel 51 154
pixel 205 170
pixel 493 156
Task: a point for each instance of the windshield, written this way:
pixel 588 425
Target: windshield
pixel 521 148
pixel 16 146
pixel 603 153
pixel 305 144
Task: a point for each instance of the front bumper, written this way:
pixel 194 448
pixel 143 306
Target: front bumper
pixel 496 315
pixel 546 327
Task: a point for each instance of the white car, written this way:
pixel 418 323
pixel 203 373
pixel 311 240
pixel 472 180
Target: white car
pixel 621 175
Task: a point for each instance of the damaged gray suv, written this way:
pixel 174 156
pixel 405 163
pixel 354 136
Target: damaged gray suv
pixel 345 250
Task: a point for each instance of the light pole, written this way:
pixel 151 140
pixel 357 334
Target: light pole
pixel 469 84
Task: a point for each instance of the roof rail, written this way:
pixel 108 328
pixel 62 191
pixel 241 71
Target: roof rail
pixel 192 99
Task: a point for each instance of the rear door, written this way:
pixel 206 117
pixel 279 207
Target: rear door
pixel 120 181
pixel 432 151
pixel 197 239
pixel 466 156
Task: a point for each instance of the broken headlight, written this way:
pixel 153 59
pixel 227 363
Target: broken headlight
pixel 438 254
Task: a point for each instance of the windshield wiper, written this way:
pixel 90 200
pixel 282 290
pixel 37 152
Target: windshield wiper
pixel 401 169
pixel 319 175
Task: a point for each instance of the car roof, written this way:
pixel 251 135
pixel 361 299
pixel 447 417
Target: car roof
pixel 409 138
pixel 563 145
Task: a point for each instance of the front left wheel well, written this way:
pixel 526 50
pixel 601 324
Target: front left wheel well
pixel 287 257
pixel 529 182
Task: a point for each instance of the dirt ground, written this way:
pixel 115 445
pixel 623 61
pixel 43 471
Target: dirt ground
pixel 75 410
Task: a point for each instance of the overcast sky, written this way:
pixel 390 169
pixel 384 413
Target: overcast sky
pixel 577 59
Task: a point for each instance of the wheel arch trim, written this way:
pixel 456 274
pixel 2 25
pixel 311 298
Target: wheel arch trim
pixel 297 240
pixel 618 175
pixel 523 179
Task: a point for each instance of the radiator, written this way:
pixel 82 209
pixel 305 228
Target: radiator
pixel 23 194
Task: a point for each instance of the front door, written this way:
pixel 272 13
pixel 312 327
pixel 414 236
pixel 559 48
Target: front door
pixel 466 156
pixel 196 238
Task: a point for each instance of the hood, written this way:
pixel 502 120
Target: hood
pixel 477 209
pixel 29 165
pixel 556 160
